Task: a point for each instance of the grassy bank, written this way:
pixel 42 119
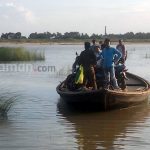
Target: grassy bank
pixel 19 54
pixel 44 41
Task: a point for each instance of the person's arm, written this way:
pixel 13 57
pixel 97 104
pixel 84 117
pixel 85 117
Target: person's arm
pixel 126 55
pixel 118 55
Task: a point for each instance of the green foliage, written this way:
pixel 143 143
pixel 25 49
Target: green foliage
pixel 74 35
pixel 66 35
pixel 11 35
pixel 77 35
pixel 19 54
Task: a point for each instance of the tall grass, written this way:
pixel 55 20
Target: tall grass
pixel 6 102
pixel 147 56
pixel 19 54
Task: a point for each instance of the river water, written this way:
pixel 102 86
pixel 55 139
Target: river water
pixel 39 120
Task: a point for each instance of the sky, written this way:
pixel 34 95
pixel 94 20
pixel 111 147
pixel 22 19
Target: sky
pixel 84 16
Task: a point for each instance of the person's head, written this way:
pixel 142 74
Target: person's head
pixel 107 42
pixel 93 41
pixel 120 41
pixel 87 45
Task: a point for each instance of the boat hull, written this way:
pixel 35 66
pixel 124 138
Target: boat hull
pixel 123 101
pixel 108 99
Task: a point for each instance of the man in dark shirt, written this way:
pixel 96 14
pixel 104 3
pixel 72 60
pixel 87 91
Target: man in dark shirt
pixel 88 61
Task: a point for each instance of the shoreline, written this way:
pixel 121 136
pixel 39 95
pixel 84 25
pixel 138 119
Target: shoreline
pixel 67 42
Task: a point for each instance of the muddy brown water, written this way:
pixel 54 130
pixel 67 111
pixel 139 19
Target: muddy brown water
pixel 39 120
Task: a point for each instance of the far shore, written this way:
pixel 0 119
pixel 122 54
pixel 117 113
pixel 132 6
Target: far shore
pixel 67 41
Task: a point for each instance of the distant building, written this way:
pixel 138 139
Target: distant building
pixel 105 31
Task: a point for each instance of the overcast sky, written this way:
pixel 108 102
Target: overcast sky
pixel 85 16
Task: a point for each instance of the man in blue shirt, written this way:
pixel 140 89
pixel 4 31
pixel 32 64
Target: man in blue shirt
pixel 110 56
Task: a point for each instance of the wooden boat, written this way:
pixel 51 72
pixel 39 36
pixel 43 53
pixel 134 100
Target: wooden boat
pixel 137 92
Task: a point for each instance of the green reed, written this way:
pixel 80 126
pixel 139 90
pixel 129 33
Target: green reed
pixel 19 54
pixel 147 56
pixel 6 103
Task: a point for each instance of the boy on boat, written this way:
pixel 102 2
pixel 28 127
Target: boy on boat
pixel 121 48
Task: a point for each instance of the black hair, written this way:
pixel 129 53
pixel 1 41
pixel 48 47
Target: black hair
pixel 87 45
pixel 93 40
pixel 107 40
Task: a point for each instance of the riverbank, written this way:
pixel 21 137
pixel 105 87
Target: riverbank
pixel 67 41
pixel 45 41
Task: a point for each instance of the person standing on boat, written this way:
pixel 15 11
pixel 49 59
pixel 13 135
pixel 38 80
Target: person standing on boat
pixel 97 52
pixel 96 49
pixel 88 60
pixel 110 57
pixel 120 47
pixel 98 58
pixel 93 46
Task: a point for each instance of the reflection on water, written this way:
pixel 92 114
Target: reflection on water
pixel 107 130
pixel 39 121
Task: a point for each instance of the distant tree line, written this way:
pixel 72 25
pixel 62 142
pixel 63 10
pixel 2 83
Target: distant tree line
pixel 75 35
pixel 11 35
pixel 58 35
